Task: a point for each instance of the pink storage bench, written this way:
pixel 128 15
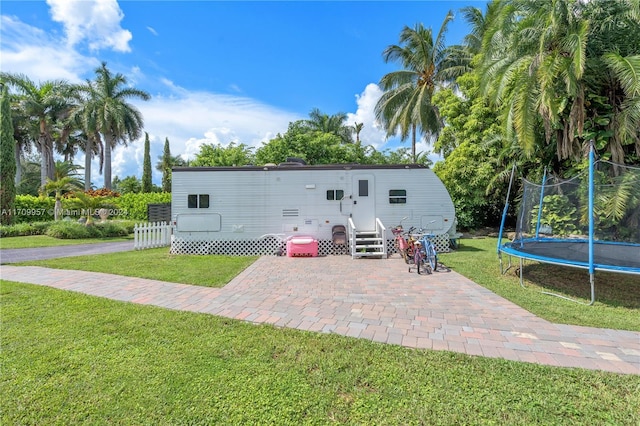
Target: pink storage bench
pixel 302 246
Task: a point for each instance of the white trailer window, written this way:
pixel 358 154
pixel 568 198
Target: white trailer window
pixel 397 196
pixel 335 194
pixel 198 201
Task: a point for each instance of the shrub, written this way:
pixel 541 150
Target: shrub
pixel 24 229
pixel 134 206
pixel 102 192
pixel 112 229
pixel 128 225
pixel 66 230
pixel 558 214
pixel 29 208
pixel 130 207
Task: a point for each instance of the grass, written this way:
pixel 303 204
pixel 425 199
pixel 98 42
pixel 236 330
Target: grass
pixel 158 264
pixel 70 359
pixel 35 241
pixel 617 295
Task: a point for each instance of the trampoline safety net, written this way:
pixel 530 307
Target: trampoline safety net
pixel 553 219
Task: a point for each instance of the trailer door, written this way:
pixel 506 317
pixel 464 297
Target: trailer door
pixel 364 202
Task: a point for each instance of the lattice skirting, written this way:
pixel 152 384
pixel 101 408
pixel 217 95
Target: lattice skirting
pixel 272 246
pixel 442 243
pixel 266 246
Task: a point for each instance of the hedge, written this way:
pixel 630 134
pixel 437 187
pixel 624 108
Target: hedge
pixel 134 206
pixel 70 229
pixel 29 208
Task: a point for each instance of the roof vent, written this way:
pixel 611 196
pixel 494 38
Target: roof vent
pixel 290 164
pixel 296 160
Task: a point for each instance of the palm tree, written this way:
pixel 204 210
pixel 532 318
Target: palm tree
pixel 88 205
pixel 65 180
pixel 46 103
pixel 334 124
pixel 23 135
pixel 532 67
pixel 553 67
pixel 406 105
pixel 107 112
pixel 357 128
pixel 627 121
pixel 84 118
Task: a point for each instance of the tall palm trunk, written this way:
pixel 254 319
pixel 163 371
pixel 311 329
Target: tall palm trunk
pixel 108 143
pixel 46 153
pixel 88 151
pixel 413 143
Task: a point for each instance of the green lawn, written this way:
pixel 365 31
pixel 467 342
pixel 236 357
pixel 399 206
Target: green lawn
pixel 158 264
pixel 617 295
pixel 34 241
pixel 70 359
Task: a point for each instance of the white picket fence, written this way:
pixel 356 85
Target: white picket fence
pixel 151 235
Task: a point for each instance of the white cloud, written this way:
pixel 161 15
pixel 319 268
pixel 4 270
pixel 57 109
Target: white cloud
pixel 97 22
pixel 191 119
pixel 201 117
pixel 41 56
pixel 372 133
pixel 152 31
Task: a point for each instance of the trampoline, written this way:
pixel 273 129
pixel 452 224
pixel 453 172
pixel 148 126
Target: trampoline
pixel 591 221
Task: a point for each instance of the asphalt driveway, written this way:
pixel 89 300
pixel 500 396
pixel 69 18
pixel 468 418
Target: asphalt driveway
pixel 41 253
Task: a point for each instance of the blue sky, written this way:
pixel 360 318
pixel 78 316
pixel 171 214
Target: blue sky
pixel 220 72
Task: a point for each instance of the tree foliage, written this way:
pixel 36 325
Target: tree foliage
pixel 109 113
pixel 44 105
pixel 65 179
pixel 334 124
pixel 545 79
pixel 127 185
pixel 557 68
pixel 167 161
pixel 218 155
pixel 7 160
pixel 147 184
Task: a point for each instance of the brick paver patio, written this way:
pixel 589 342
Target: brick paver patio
pixel 370 299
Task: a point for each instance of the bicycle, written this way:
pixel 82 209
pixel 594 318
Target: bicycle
pixel 404 243
pixel 425 257
pixel 429 250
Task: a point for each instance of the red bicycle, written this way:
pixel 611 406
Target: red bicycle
pixel 404 243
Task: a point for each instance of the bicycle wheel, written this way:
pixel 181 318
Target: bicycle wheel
pixel 432 257
pixel 405 255
pixel 422 266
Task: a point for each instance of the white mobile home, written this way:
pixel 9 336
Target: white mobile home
pixel 253 209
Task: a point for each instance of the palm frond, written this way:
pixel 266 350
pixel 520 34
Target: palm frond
pixel 627 70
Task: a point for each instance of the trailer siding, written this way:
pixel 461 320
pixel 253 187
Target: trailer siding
pixel 245 203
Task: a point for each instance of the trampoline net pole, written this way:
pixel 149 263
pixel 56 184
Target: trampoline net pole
pixel 544 178
pixel 591 218
pixel 504 214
